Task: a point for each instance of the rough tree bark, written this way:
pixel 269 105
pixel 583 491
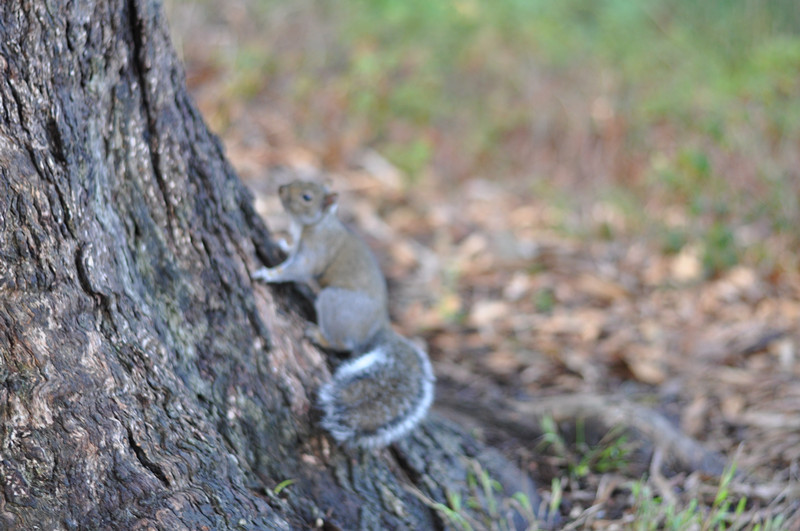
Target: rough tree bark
pixel 145 381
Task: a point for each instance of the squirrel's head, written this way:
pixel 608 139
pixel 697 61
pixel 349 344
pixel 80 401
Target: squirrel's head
pixel 307 202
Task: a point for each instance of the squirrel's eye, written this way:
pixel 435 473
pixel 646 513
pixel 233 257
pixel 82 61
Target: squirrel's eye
pixel 306 197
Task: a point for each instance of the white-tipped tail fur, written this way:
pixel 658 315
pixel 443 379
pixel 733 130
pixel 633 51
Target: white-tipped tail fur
pixel 379 397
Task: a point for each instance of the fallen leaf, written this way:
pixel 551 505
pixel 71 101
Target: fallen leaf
pixel 646 364
pixel 686 266
pixel 693 419
pixel 601 288
pixel 484 314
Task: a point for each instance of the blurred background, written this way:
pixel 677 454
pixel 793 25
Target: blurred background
pixel 567 196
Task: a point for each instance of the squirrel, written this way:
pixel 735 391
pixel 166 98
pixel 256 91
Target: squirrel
pixel 386 390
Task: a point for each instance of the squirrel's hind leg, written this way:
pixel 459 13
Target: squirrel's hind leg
pixel 314 334
pixel 348 320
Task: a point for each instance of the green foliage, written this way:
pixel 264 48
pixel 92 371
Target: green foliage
pixel 544 300
pixel 453 511
pixel 556 496
pixel 610 454
pixel 282 485
pixel 411 157
pixel 486 506
pixel 726 512
pixel 676 54
pixel 720 252
pixel 447 87
pixel 672 240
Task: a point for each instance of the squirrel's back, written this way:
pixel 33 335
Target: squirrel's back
pixel 380 396
pixel 353 255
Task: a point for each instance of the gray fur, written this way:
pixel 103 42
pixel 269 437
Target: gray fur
pixel 381 395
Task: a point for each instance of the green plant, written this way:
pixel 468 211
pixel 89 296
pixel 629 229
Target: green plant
pixel 720 251
pixel 610 453
pixel 544 300
pixel 453 511
pixel 725 512
pixel 282 485
pixel 556 496
pixel 485 506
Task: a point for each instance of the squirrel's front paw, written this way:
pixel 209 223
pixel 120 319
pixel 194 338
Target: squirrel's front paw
pixel 267 274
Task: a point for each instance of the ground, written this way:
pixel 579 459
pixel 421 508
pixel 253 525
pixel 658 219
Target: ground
pixel 584 250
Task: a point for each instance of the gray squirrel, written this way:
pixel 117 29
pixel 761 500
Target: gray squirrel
pixel 387 389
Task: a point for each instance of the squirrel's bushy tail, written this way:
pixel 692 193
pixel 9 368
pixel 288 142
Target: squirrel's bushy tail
pixel 380 396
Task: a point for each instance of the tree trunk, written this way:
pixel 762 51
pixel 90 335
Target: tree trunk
pixel 145 381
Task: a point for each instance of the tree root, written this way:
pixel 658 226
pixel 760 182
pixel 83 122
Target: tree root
pixel 523 420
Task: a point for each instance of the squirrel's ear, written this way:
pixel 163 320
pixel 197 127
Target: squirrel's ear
pixel 330 201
